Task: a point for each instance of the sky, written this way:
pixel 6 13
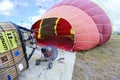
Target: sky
pixel 26 12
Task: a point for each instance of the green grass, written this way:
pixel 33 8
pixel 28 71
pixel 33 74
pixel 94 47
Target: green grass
pixel 103 60
pixel 102 52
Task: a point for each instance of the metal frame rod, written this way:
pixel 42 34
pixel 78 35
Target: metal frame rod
pixel 31 54
pixel 26 29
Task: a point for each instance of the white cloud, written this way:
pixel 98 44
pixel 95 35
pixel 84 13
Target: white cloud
pixel 44 6
pixel 6 8
pixel 23 4
pixel 37 17
pixel 26 25
pixel 41 11
pixel 33 19
pixel 46 3
pixel 113 5
pixel 43 1
pixel 116 25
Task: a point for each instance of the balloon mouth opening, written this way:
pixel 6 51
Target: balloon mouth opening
pixel 61 42
pixel 54 31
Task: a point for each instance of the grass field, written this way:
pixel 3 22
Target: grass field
pixel 100 63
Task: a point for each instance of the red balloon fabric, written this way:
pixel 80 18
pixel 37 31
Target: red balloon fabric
pixel 55 31
pixel 82 25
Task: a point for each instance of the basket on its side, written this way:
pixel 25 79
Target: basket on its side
pixel 12 55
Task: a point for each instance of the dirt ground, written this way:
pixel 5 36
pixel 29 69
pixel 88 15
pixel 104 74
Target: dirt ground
pixel 61 70
pixel 100 63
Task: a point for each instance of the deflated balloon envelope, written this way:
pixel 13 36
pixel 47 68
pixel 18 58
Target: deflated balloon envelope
pixel 73 25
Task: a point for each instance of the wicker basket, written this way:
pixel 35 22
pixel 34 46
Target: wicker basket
pixel 8 73
pixel 15 38
pixel 17 54
pixel 21 66
pixel 6 59
pixel 18 57
pixel 7 69
pixel 12 60
pixel 7 26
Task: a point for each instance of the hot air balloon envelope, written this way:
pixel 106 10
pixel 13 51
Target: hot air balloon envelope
pixel 73 25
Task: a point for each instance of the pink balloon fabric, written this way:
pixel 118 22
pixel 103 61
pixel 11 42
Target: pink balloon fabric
pixel 98 15
pixel 91 25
